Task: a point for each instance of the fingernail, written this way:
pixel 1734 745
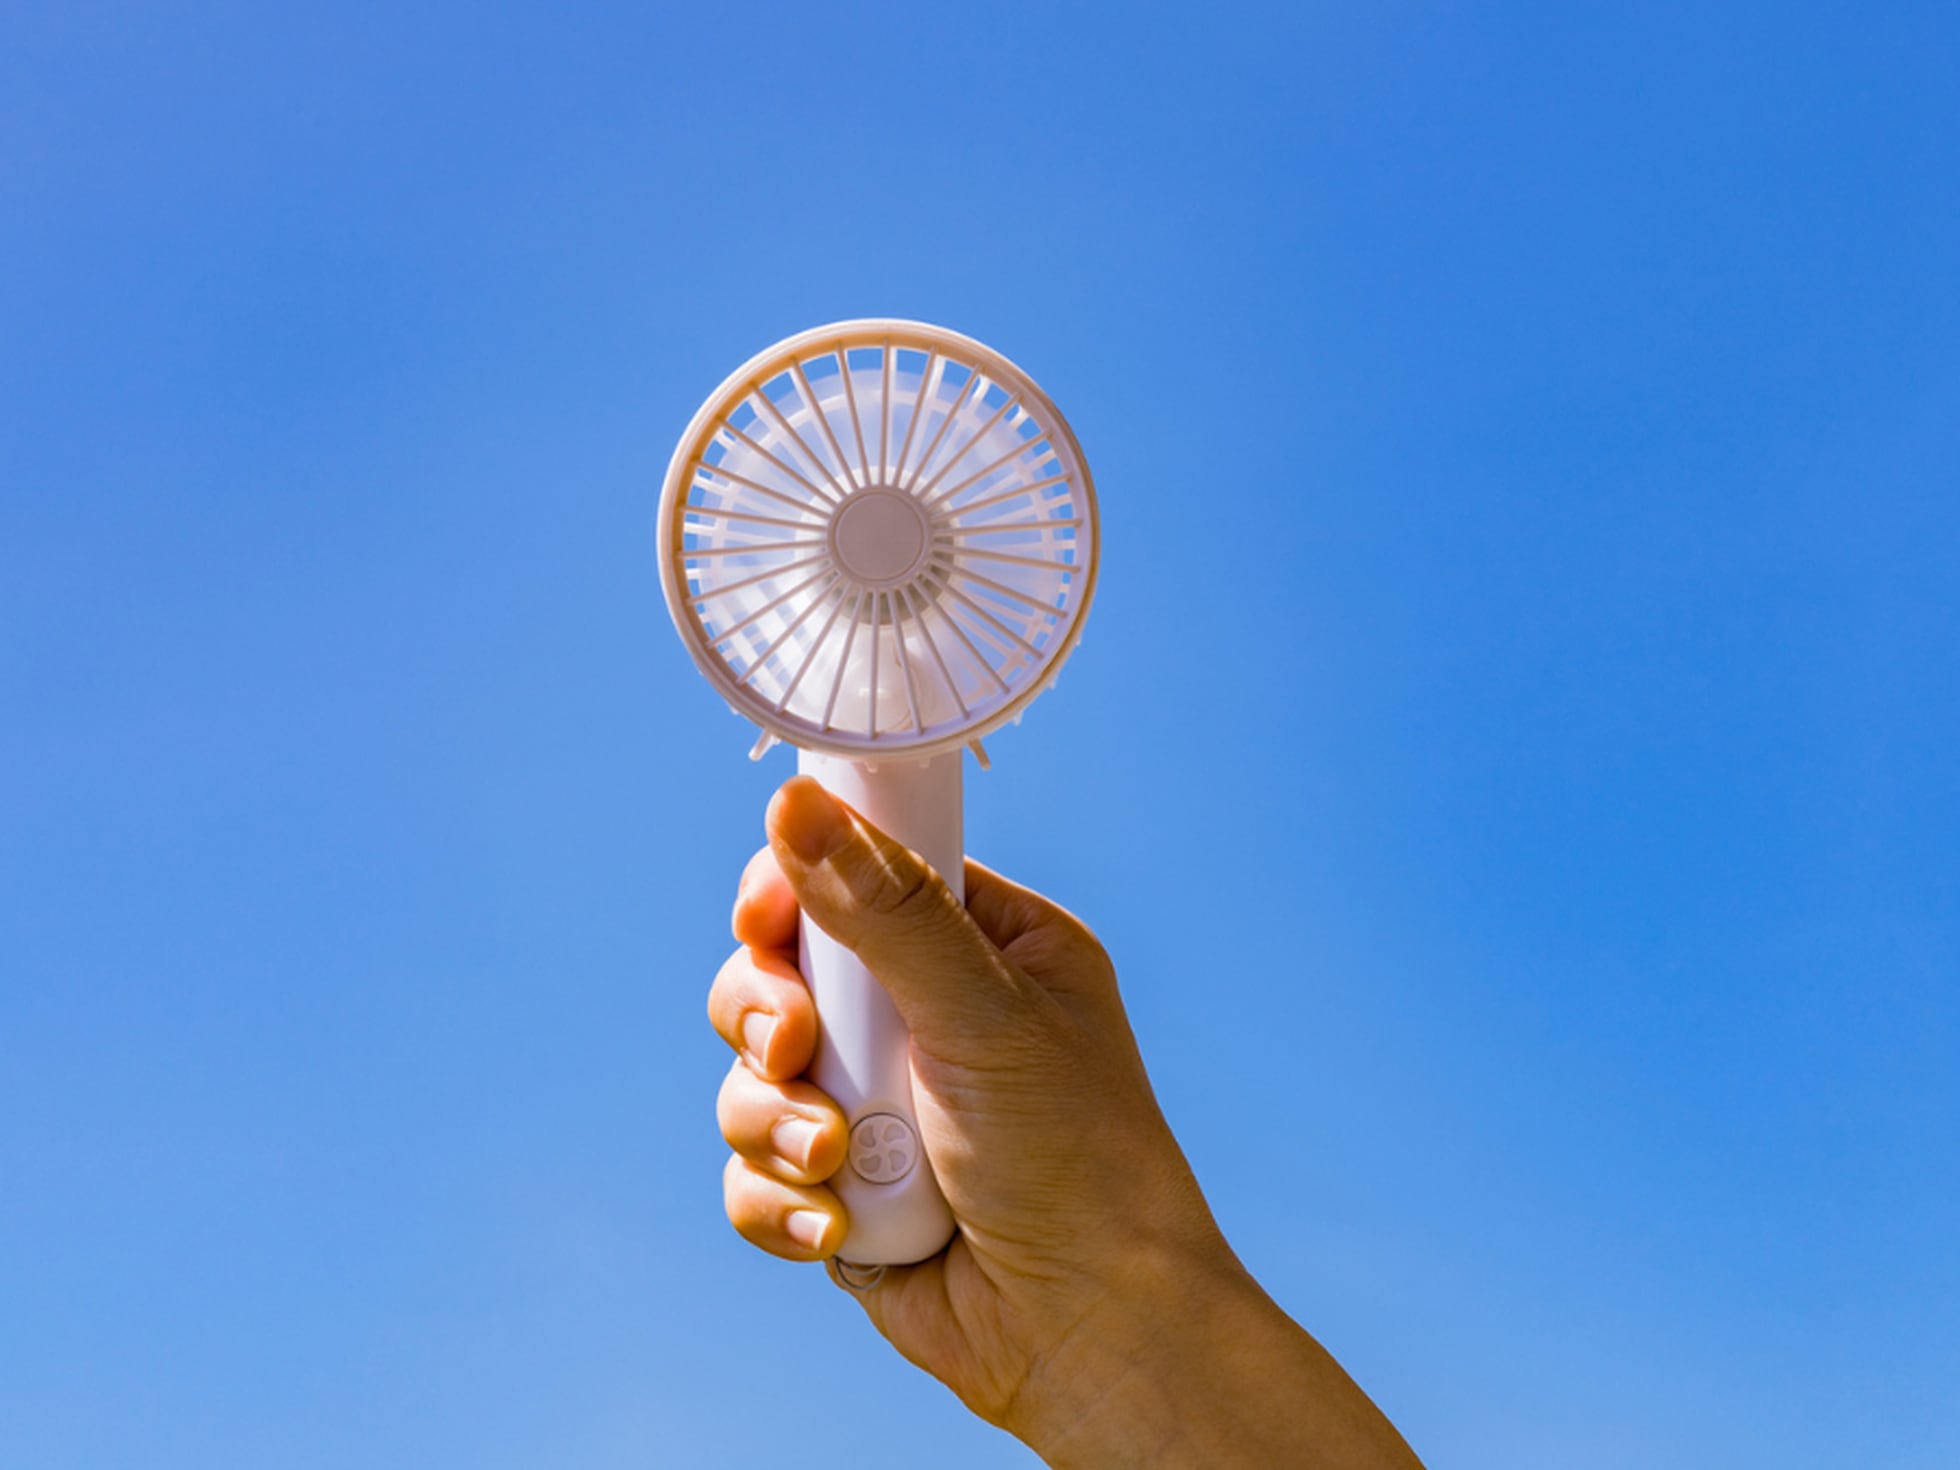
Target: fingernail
pixel 757 1028
pixel 795 1139
pixel 806 1228
pixel 811 822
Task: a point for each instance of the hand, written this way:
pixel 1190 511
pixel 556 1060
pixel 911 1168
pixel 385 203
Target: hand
pixel 1089 1303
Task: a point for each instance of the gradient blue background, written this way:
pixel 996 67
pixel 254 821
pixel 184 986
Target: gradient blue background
pixel 1512 758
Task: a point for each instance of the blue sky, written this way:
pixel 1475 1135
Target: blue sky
pixel 1511 757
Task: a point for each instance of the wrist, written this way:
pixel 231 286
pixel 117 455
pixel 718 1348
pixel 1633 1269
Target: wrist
pixel 1119 1389
pixel 1190 1363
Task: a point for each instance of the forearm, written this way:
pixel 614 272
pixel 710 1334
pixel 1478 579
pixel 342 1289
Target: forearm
pixel 1203 1370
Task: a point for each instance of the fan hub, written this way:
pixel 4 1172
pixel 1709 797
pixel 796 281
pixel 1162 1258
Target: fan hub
pixel 880 538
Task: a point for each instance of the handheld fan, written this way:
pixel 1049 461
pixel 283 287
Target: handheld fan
pixel 878 541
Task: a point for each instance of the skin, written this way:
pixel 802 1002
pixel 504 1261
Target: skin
pixel 1089 1304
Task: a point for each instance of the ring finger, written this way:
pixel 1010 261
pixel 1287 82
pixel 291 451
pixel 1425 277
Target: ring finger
pixel 789 1129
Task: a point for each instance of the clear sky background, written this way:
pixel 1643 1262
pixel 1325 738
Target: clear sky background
pixel 1512 757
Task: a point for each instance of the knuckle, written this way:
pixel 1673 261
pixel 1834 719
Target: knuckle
pixel 1077 940
pixel 752 1210
pixel 910 890
pixel 728 1104
pixel 727 984
pixel 1094 960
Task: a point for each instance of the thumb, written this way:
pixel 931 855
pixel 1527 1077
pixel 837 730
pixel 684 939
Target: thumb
pixel 957 992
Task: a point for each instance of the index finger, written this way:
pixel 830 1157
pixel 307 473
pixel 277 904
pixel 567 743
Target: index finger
pixel 765 906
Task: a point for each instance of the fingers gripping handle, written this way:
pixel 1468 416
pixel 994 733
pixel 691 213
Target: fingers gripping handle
pixel 863 1059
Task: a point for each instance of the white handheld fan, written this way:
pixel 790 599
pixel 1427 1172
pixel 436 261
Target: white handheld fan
pixel 878 541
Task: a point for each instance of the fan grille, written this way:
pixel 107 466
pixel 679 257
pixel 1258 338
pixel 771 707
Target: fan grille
pixel 879 537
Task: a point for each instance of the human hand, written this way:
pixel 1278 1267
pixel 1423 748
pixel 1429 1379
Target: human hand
pixel 1089 1303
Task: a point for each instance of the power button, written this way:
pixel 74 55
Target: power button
pixel 883 1148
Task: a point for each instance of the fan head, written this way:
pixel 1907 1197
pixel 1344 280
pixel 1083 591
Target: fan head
pixel 877 539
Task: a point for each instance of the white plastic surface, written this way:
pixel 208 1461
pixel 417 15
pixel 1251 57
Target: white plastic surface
pixel 863 1049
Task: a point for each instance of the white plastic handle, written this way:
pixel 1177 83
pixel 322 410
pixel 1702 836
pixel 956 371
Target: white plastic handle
pixel 863 1055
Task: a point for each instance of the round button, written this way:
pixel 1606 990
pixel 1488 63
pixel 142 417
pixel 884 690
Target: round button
pixel 883 1148
pixel 879 537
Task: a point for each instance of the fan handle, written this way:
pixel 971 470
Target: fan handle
pixel 863 1058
